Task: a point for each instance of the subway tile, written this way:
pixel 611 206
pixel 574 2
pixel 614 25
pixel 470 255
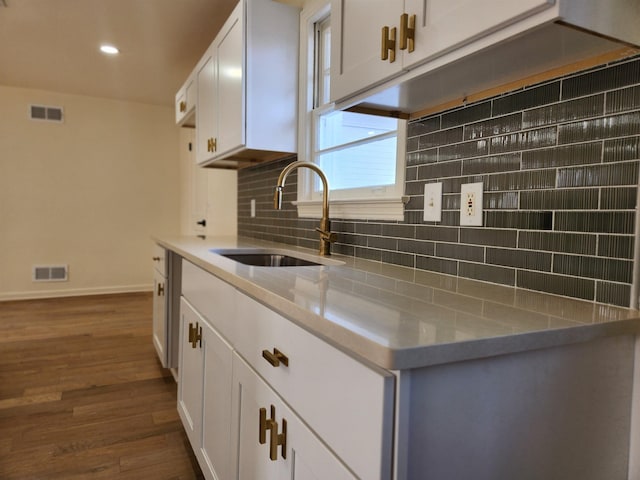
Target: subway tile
pixel 500 200
pixel 412 144
pixel 398 230
pixel 413 217
pixel 557 284
pixel 613 293
pixel 451 218
pixel 452 185
pixel 416 247
pixel 558 242
pixel 451 202
pixel 530 179
pixel 422 157
pixel 564 112
pixel 382 243
pixel 410 173
pixel 441 137
pixel 597 222
pixel 492 164
pixel 441 265
pixel 460 252
pixel 415 202
pixel 485 236
pixel 600 128
pixel 601 80
pixel 440 170
pixel 493 127
pixel 621 198
pixel 542 137
pixel 437 234
pixel 474 148
pixel 519 220
pixel 468 114
pixel 398 258
pixel 519 259
pixel 605 175
pixel 487 273
pixel 368 254
pixel 366 228
pixel 621 149
pixel 593 267
pixel 623 100
pixel 559 199
pixel 423 125
pixel 414 187
pixel 527 98
pixel 578 154
pixel 615 246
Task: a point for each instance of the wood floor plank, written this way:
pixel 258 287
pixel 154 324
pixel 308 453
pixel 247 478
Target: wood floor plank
pixel 83 396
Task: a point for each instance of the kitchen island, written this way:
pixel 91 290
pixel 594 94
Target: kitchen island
pixel 486 381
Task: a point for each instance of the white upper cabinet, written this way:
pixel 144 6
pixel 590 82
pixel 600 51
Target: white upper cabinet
pixel 186 103
pixel 247 83
pixel 399 35
pixel 410 54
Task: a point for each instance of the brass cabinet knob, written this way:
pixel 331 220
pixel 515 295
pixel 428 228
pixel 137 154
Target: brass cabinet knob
pixel 275 358
pixel 155 259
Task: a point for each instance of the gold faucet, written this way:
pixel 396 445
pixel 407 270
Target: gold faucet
pixel 326 236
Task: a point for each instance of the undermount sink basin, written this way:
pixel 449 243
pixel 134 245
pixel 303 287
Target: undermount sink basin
pixel 273 258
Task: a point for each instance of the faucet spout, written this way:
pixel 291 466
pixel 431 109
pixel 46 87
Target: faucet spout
pixel 326 236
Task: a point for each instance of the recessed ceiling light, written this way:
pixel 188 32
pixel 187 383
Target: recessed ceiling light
pixel 109 49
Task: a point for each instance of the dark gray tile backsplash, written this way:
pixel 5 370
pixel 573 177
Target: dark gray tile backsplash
pixel 559 162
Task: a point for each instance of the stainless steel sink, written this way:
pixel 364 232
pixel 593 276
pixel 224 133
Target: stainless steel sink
pixel 258 257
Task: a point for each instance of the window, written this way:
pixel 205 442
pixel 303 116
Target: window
pixel 362 155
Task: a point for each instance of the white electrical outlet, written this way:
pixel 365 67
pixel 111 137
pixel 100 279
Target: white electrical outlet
pixel 471 204
pixel 433 202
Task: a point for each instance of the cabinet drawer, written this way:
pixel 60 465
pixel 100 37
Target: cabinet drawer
pixel 211 297
pixel 348 404
pixel 159 256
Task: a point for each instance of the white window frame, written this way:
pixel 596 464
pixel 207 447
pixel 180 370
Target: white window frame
pixel 376 203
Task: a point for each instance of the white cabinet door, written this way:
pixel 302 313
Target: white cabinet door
pixel 356 44
pixel 206 108
pixel 441 26
pixel 297 454
pixel 216 408
pixel 159 316
pixel 190 371
pixel 444 25
pixel 230 84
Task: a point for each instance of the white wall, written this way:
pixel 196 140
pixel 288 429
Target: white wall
pixel 89 192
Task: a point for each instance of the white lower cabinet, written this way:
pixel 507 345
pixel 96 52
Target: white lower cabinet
pixel 204 392
pixel 261 398
pixel 273 443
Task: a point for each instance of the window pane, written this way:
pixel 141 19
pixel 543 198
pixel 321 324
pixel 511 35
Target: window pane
pixel 366 165
pixel 338 128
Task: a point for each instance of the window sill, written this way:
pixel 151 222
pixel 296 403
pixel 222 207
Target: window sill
pixel 380 209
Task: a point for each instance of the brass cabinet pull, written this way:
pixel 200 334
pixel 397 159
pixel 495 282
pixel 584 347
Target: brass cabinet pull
pixel 212 144
pixel 275 358
pixel 155 259
pixel 407 32
pixel 388 44
pixel 265 424
pixel 195 335
pixel 160 289
pixel 183 106
pixel 278 439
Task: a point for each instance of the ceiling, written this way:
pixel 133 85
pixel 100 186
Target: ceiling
pixel 53 45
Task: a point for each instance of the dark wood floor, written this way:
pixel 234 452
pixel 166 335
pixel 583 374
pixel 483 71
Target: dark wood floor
pixel 83 396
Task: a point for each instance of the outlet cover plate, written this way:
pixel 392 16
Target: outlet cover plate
pixel 471 204
pixel 432 202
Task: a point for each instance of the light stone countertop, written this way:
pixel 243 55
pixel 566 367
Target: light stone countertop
pixel 401 318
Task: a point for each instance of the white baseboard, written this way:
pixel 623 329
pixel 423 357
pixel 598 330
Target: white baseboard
pixel 74 292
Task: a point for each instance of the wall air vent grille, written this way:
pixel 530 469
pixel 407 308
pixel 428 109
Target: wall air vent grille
pixel 50 273
pixel 43 112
